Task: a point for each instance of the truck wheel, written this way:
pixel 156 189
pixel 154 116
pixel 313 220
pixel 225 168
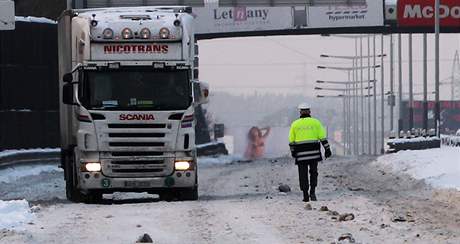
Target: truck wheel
pixel 189 194
pixel 72 193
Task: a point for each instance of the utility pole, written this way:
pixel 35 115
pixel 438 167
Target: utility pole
pixel 355 98
pixel 391 100
pixel 437 113
pixel 400 86
pixel 375 98
pixel 411 87
pixel 362 93
pixel 382 78
pixel 425 83
pixel 369 119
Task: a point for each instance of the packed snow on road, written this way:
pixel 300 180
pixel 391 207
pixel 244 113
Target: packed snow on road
pixel 406 197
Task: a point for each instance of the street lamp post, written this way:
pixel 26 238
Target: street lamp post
pixel 400 89
pixel 369 114
pixel 375 98
pixel 425 83
pixel 437 30
pixel 382 80
pixel 411 87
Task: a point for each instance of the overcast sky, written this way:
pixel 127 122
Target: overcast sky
pixel 286 64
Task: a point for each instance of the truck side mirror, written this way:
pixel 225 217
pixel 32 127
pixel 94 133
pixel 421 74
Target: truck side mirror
pixel 67 78
pixel 201 92
pixel 67 94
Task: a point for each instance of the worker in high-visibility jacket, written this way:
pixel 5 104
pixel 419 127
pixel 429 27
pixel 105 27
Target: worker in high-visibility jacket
pixel 306 136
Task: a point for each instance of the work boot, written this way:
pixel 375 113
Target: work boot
pixel 312 194
pixel 306 198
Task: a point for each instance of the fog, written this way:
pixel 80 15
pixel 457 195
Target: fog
pixel 258 81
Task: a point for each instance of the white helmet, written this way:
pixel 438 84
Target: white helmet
pixel 303 106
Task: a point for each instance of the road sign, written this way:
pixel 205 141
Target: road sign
pixel 130 3
pixel 6 15
pixel 421 13
pixel 278 3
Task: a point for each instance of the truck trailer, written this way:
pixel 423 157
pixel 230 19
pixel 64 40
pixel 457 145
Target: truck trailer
pixel 128 95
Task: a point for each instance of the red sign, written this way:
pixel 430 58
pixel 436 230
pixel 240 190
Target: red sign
pixel 421 13
pixel 136 117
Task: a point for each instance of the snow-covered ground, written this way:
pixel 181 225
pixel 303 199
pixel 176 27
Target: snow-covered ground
pixel 224 159
pixel 13 173
pixel 240 203
pixel 440 167
pixel 14 214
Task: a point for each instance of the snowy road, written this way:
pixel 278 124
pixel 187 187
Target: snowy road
pixel 240 203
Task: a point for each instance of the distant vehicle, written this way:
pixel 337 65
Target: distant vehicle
pixel 128 102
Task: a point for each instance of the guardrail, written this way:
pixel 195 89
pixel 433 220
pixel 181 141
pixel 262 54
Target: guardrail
pixel 11 157
pixel 416 143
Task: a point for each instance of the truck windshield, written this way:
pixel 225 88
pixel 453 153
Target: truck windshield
pixel 128 89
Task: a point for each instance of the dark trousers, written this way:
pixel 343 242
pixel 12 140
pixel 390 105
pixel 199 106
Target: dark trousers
pixel 303 175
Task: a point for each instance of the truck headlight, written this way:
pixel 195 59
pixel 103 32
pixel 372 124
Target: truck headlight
pixel 91 167
pixel 183 165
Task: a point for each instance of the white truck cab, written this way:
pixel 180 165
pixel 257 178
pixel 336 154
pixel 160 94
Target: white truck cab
pixel 128 100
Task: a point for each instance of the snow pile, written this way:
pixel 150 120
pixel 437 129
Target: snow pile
pixel 35 19
pixel 11 174
pixel 15 213
pixel 224 159
pixel 439 167
pixel 415 139
pixel 22 151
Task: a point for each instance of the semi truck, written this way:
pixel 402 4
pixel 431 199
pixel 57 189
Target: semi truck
pixel 128 96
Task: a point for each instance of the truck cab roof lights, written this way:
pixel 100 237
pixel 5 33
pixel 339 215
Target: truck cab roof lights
pixel 145 33
pixel 127 33
pixel 164 33
pixel 93 22
pixel 107 33
pixel 135 17
pixel 177 23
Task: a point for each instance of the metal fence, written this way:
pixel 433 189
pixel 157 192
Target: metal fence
pixel 29 96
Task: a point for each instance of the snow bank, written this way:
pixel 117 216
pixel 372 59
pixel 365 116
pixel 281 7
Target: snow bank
pixel 14 173
pixel 415 139
pixel 15 213
pixel 35 19
pixel 439 167
pixel 224 159
pixel 21 151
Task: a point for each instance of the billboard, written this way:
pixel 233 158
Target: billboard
pixel 241 19
pixel 421 13
pixel 450 115
pixel 333 16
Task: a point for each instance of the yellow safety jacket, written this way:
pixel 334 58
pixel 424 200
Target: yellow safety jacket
pixel 306 129
pixel 305 138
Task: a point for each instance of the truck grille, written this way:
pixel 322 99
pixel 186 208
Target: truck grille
pixel 137 170
pixel 136 144
pixel 124 135
pixel 137 149
pixel 139 162
pixel 136 154
pixel 136 126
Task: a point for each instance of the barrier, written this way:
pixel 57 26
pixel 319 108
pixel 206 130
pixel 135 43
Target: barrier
pixel 416 143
